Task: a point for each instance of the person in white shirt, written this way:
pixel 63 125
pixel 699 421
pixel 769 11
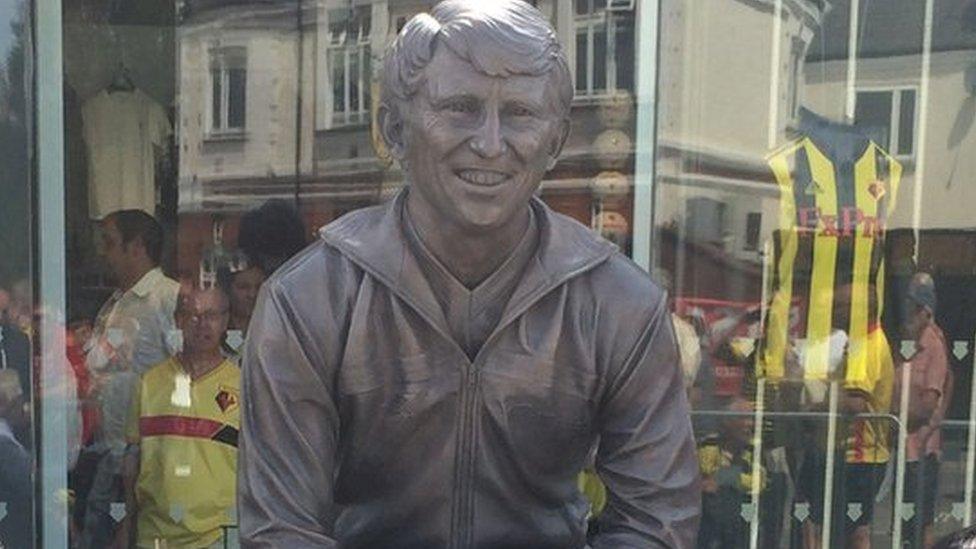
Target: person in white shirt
pixel 133 331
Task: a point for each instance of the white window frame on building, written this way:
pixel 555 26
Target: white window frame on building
pixel 895 117
pixel 224 63
pixel 605 18
pixel 796 78
pixel 353 47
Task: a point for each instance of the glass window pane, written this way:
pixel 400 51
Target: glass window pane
pixel 832 262
pixel 338 25
pixel 791 249
pixel 353 61
pixel 753 228
pixel 625 51
pixel 906 123
pixel 364 21
pixel 337 62
pixel 236 98
pixel 600 59
pixel 216 98
pixel 581 66
pixel 19 329
pixel 873 114
pixel 367 79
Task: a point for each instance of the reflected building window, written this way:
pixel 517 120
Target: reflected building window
pixel 753 231
pixel 795 82
pixel 228 81
pixel 604 47
pixel 350 64
pixel 706 221
pixel 888 115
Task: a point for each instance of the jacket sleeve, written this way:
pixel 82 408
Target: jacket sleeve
pixel 289 430
pixel 647 455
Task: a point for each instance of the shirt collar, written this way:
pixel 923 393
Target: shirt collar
pixel 147 283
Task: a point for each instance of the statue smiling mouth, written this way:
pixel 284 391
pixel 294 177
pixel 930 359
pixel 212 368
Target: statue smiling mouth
pixel 483 178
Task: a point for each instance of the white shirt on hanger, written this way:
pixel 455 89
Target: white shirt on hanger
pixel 121 130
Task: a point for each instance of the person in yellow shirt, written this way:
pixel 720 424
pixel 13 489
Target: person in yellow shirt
pixel 868 380
pixel 726 467
pixel 181 466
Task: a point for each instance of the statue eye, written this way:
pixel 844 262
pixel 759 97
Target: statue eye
pixel 461 105
pixel 520 110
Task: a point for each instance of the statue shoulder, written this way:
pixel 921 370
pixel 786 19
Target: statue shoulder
pixel 318 270
pixel 624 286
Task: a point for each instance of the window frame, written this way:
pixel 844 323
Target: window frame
pixel 361 46
pixel 605 17
pixel 894 116
pixel 223 60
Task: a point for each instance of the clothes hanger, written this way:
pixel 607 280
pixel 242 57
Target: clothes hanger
pixel 121 82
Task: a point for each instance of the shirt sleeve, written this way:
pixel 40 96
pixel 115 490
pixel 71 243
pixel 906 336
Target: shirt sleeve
pixel 933 363
pixel 289 432
pixel 132 420
pixel 647 455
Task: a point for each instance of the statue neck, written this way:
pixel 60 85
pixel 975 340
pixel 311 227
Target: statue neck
pixel 469 256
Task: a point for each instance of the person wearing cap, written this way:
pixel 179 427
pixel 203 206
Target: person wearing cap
pixel 929 393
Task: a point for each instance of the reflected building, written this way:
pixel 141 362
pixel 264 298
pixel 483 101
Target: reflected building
pixel 730 91
pixel 716 196
pixel 891 84
pixel 277 100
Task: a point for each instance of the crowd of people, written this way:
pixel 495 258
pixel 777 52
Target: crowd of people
pixel 154 393
pixel 794 460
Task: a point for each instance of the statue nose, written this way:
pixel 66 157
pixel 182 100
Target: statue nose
pixel 488 141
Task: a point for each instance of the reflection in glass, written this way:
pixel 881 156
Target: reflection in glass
pixel 819 269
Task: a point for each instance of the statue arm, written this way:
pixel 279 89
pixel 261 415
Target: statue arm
pixel 289 431
pixel 647 455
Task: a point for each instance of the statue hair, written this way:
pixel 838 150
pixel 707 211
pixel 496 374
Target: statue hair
pixel 498 37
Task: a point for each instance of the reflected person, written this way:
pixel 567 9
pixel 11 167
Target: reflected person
pixel 243 288
pixel 181 464
pixel 433 372
pixel 868 380
pixel 242 280
pixel 131 334
pixel 271 234
pixel 928 399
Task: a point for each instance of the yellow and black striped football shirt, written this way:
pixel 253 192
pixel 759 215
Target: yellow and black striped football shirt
pixel 833 214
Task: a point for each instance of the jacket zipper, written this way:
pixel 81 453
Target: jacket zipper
pixel 462 514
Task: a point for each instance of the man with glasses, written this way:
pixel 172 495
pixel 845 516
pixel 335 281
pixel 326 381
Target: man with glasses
pixel 181 466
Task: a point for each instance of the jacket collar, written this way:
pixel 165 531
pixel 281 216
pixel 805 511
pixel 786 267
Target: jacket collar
pixel 373 239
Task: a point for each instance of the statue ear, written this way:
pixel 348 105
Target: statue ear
pixel 391 128
pixel 559 141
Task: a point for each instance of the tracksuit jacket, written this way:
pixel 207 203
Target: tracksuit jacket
pixel 366 425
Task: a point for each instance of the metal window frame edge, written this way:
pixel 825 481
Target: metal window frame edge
pixel 648 32
pixel 48 178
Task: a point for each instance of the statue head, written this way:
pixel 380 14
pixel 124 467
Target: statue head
pixel 475 106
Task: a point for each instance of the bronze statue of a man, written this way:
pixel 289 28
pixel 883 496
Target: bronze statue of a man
pixel 435 372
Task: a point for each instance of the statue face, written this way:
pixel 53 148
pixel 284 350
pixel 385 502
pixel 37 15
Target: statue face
pixel 476 146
